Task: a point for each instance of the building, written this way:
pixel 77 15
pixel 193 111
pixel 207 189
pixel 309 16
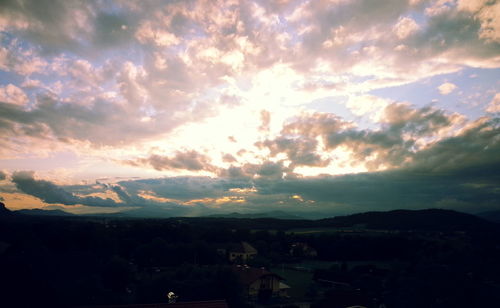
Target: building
pixel 301 249
pixel 259 283
pixel 241 252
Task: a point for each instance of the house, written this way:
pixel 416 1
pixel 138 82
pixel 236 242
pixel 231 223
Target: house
pixel 241 252
pixel 301 249
pixel 260 283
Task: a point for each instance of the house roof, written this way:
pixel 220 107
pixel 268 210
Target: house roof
pixel 247 275
pixel 284 286
pixel 199 304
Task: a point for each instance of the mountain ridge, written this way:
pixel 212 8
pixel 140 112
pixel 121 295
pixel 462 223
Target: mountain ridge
pixel 401 219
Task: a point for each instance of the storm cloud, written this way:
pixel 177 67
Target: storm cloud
pixel 52 193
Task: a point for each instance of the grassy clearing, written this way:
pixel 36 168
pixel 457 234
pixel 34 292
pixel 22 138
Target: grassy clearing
pixel 297 280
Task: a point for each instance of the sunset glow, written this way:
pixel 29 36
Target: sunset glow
pixel 194 107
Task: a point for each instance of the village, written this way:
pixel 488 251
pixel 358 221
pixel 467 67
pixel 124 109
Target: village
pixel 102 262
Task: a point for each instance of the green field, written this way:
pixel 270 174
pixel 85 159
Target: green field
pixel 298 281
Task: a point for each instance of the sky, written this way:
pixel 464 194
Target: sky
pixel 186 108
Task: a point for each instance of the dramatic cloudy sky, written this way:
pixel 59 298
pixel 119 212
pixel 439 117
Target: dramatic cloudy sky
pixel 193 107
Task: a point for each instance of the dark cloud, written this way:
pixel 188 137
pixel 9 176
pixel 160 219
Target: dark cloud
pixel 186 188
pixel 51 193
pixel 475 190
pixel 455 31
pixel 475 150
pixel 463 169
pixel 459 172
pixel 122 194
pixel 55 25
pixel 396 141
pixel 300 151
pixel 59 25
pixel 101 121
pixel 269 169
pixel 113 30
pixel 393 144
pixel 234 172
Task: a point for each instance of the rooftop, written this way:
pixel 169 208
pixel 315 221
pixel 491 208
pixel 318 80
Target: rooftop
pixel 247 274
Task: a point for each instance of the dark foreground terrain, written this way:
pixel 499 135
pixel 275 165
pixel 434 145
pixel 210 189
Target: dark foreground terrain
pixel 429 258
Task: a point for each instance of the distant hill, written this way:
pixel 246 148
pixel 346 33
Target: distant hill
pixel 491 216
pixel 418 220
pixel 430 219
pixel 4 211
pixel 41 212
pixel 271 214
pixel 143 212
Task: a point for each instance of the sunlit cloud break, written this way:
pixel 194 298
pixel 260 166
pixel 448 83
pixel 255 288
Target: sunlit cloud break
pixel 194 107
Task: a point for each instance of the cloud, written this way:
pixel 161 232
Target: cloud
pixel 476 146
pixel 265 117
pixel 31 83
pixel 147 33
pixel 446 88
pixel 117 81
pixel 51 193
pixel 300 151
pixel 370 105
pixel 55 25
pixel 228 158
pixel 189 160
pixel 488 13
pixel 404 130
pixel 13 95
pixel 100 121
pixel 458 169
pixel 463 167
pixel 19 59
pixel 68 25
pixel 315 124
pixel 113 29
pixel 122 194
pixel 447 33
pixel 405 27
pixel 368 48
pixel 159 66
pixel 494 105
pixel 3 175
pixel 185 188
pixel 269 169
